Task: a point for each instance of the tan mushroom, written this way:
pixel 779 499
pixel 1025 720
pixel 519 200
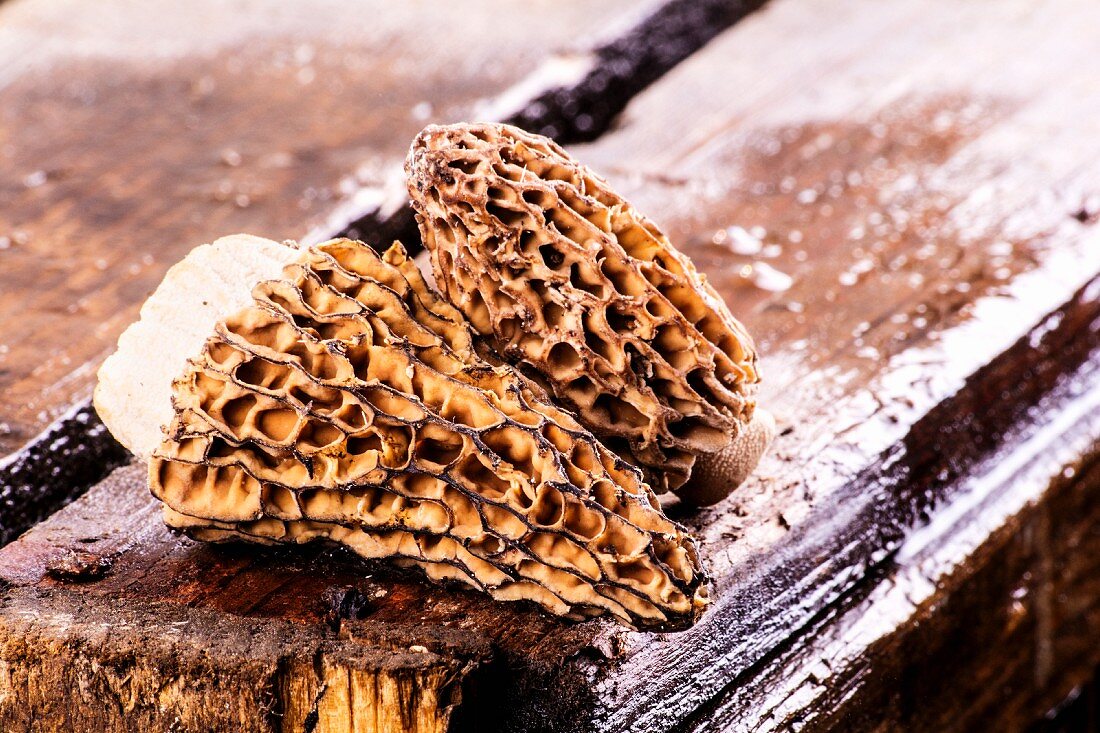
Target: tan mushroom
pixel 569 282
pixel 285 394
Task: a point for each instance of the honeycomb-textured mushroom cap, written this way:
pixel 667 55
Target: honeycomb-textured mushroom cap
pixel 347 403
pixel 568 280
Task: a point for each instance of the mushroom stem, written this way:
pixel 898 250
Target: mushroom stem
pixel 716 475
pixel 134 393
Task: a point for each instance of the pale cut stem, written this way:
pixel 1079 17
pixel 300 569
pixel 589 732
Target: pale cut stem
pixel 134 392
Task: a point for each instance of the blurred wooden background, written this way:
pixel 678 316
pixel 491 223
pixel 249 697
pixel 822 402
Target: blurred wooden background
pixel 899 199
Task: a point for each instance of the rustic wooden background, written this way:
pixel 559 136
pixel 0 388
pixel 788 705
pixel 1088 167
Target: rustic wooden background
pixel 899 199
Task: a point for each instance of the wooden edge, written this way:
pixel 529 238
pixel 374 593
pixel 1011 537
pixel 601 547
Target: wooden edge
pixel 783 593
pixel 999 587
pixel 76 667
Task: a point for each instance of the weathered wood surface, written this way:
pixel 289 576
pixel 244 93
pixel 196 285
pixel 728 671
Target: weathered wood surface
pixel 983 619
pixel 938 186
pixel 198 670
pixel 923 175
pixel 126 143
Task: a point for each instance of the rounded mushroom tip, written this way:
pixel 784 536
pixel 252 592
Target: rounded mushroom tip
pixel 716 475
pixel 560 274
pixel 425 137
pixel 439 137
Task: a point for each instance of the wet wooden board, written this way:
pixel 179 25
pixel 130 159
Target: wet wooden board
pixel 985 619
pixel 132 141
pixel 931 210
pixel 127 143
pixel 933 365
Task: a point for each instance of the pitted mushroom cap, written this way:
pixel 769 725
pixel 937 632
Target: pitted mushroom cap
pixel 346 403
pixel 569 281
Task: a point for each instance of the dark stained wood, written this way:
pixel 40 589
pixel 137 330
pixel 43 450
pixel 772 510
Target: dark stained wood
pixel 933 367
pixel 1078 711
pixel 62 461
pixel 125 144
pixel 984 619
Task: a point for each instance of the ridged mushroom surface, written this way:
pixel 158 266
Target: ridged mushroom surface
pixel 573 284
pixel 347 403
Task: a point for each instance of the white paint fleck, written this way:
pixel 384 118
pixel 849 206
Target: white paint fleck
pixel 739 241
pixel 766 277
pixel 35 179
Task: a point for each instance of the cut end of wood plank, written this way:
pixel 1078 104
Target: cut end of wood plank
pixel 133 395
pixel 210 671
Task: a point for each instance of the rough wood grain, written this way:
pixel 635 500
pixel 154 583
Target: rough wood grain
pixel 127 666
pixel 923 176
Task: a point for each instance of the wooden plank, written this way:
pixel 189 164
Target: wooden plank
pixel 126 144
pixel 206 671
pixel 924 178
pixel 898 382
pixel 299 605
pixel 572 82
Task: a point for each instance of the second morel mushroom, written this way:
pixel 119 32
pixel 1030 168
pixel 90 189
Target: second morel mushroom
pixel 328 393
pixel 570 282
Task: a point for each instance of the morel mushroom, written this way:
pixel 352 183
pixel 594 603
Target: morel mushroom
pixel 343 400
pixel 565 277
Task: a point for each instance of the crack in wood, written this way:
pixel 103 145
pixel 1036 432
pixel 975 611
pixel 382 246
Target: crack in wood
pixel 309 724
pixel 56 467
pixel 627 65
